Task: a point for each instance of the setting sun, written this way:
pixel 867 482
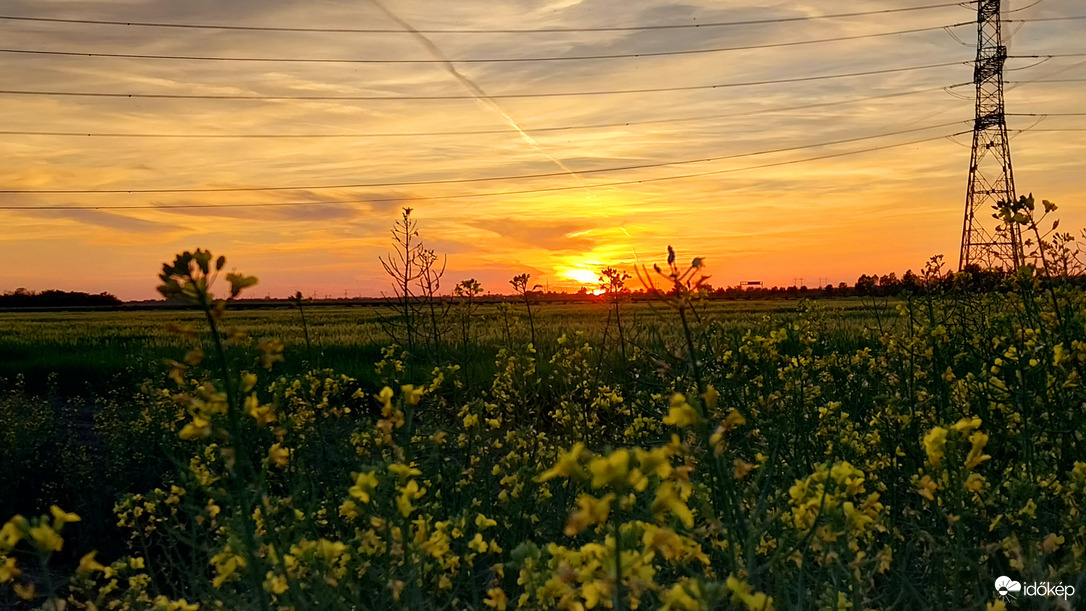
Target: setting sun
pixel 584 276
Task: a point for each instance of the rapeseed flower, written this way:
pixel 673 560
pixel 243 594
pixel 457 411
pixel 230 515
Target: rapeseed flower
pixel 976 455
pixel 681 414
pixel 45 538
pixel 670 498
pixel 935 445
pixel 926 487
pixel 610 470
pixel 364 484
pixel 568 464
pixel 591 511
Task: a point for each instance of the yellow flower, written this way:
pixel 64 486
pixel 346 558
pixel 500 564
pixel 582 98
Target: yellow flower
pixel 385 396
pixel 496 599
pixel 61 517
pixel 591 511
pixel 1052 543
pixel 732 421
pixel 278 455
pixel 11 533
pixel 710 396
pixel 25 591
pixel 412 395
pixel 663 540
pixel 976 453
pixel 885 557
pixel 683 596
pixel 364 484
pixel 408 493
pixel 741 593
pixel 637 480
pixel 8 570
pixel 593 592
pixel 263 414
pixel 478 544
pixel 935 444
pixel 198 428
pixel 974 483
pixel 87 563
pixel 568 465
pixel 857 520
pixel 681 413
pixel 226 563
pixel 742 468
pixel 669 499
pixel 1029 509
pixel 165 604
pixel 926 488
pixel 403 471
pixel 654 462
pixel 349 510
pixel 610 470
pixel 482 522
pixel 965 425
pixel 276 584
pixel 46 539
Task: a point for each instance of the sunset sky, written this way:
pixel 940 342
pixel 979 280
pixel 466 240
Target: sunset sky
pixel 429 133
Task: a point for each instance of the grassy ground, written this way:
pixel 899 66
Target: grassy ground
pixel 91 353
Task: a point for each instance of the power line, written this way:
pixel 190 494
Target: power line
pixel 476 60
pixel 469 96
pixel 466 180
pixel 484 131
pixel 1049 56
pixel 1037 19
pixel 1046 114
pixel 489 193
pixel 1048 80
pixel 252 28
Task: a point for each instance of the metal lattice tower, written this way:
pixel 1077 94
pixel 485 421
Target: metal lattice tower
pixel 986 241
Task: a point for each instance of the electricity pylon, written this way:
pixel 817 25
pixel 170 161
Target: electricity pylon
pixel 986 241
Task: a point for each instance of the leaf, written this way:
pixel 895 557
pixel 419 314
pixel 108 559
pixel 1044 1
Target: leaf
pixel 239 282
pixel 203 259
pixel 670 255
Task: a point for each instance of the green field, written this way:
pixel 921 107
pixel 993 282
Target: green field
pixel 683 454
pixel 88 353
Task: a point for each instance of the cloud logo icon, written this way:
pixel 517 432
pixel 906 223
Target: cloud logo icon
pixel 1005 585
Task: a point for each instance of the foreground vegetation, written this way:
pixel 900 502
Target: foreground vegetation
pixel 691 465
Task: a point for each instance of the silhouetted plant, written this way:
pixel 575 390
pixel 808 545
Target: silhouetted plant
pixel 520 285
pixel 402 266
pixel 429 282
pixel 465 292
pixel 684 288
pixel 613 285
pixel 296 300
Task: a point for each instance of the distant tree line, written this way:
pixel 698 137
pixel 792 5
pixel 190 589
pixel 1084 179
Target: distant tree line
pixel 22 298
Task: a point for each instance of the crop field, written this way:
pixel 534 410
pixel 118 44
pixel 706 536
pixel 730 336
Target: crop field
pixel 682 454
pixel 88 352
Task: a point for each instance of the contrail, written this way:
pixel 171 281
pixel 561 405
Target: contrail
pixel 480 95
